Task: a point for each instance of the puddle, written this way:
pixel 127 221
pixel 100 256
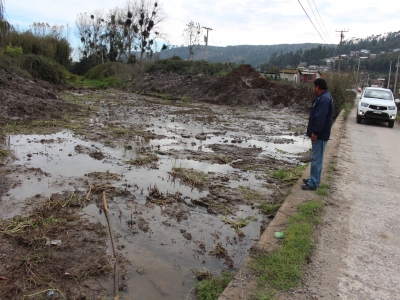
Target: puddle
pixel 161 258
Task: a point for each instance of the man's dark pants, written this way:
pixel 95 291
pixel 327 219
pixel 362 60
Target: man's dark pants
pixel 317 159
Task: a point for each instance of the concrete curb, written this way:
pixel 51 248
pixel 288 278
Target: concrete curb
pixel 245 283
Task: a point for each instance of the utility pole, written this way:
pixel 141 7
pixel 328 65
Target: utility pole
pixel 390 71
pixel 340 49
pixel 395 80
pixel 206 40
pixel 358 69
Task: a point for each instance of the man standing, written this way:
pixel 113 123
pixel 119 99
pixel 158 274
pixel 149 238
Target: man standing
pixel 319 130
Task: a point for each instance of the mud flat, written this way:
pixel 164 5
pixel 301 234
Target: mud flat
pixel 189 184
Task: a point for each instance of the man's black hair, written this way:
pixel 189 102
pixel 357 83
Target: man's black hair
pixel 321 83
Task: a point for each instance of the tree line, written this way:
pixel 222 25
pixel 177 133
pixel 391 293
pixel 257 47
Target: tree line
pixel 122 32
pixel 375 43
pixel 382 44
pixel 313 56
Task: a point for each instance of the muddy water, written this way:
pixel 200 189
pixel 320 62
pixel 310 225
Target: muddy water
pixel 161 258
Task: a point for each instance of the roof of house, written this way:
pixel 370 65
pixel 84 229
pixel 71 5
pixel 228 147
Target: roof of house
pixel 289 71
pixel 310 72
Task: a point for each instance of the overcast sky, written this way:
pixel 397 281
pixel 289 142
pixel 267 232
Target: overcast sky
pixel 236 22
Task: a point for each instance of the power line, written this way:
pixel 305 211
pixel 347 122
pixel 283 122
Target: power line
pixel 316 18
pixel 322 22
pixel 311 21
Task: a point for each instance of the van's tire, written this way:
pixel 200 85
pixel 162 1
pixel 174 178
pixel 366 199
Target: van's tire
pixel 391 124
pixel 358 119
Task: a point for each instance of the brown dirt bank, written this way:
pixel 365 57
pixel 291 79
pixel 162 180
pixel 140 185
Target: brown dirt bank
pixel 243 86
pixel 30 99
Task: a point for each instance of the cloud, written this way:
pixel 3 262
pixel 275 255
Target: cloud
pixel 236 22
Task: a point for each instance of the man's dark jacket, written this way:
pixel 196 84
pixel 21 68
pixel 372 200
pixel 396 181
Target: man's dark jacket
pixel 321 117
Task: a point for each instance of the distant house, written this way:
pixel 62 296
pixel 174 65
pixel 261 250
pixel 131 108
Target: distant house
pixel 397 49
pixel 313 67
pixel 365 51
pixel 310 76
pixel 372 56
pixel 381 81
pixel 272 74
pixel 302 65
pixel 290 75
pixel 329 61
pixel 378 82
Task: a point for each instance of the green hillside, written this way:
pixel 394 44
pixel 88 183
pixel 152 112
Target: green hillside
pixel 248 54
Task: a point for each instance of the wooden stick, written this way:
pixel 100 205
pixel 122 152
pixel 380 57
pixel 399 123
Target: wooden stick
pixel 87 196
pixel 116 274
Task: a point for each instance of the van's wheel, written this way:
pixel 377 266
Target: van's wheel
pixel 358 119
pixel 391 124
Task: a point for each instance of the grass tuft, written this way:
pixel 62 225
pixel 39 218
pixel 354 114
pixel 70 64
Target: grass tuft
pixel 268 208
pixel 347 109
pixel 4 153
pixel 211 287
pixel 250 194
pixel 289 174
pixel 146 159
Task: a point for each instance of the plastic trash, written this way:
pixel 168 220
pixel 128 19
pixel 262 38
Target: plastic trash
pixel 278 235
pixel 53 242
pixel 51 293
pixel 3 278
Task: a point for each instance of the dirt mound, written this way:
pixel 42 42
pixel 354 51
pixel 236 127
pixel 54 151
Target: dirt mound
pixel 31 99
pixel 244 71
pixel 248 90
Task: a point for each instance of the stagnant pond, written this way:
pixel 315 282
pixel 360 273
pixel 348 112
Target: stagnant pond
pixel 164 247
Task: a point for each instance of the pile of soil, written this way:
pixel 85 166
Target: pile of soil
pixel 243 86
pixel 29 99
pixel 244 71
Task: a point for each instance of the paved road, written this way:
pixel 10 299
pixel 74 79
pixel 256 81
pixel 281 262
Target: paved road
pixel 358 255
pixel 372 258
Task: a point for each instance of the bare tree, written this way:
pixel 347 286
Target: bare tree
pixel 150 16
pixel 131 27
pixel 115 34
pixel 83 32
pixel 90 30
pixel 43 29
pixel 192 35
pixel 4 25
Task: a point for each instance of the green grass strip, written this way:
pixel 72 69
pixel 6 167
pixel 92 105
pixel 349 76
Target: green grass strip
pixel 213 287
pixel 282 269
pixel 347 109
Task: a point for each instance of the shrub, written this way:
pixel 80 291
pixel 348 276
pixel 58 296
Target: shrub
pixel 108 69
pixel 340 89
pixel 10 50
pixel 85 64
pixel 57 49
pixel 44 69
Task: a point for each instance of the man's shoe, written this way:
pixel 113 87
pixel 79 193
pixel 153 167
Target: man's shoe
pixel 307 187
pixel 305 180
